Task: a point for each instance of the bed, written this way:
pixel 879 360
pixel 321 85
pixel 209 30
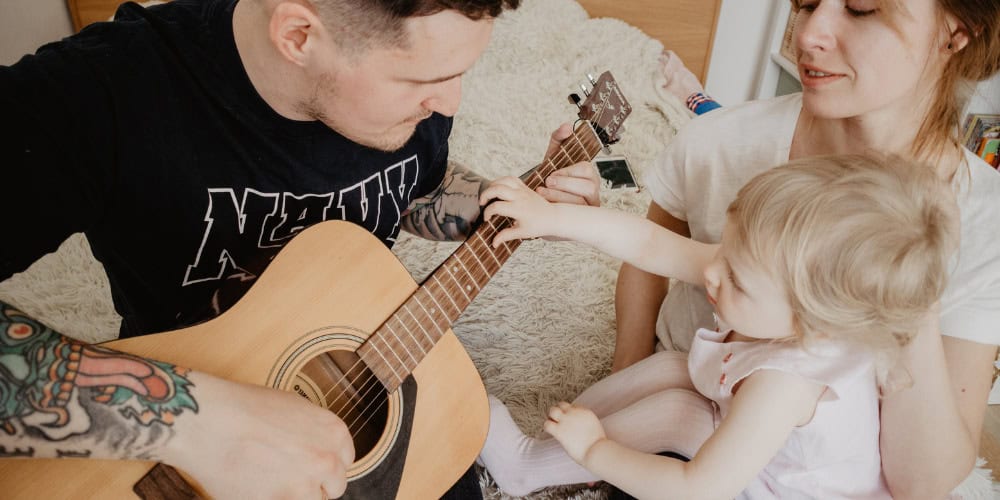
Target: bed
pixel 543 329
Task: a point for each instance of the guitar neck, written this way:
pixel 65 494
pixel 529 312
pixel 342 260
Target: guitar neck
pixel 396 348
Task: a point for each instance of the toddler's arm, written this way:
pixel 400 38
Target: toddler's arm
pixel 625 236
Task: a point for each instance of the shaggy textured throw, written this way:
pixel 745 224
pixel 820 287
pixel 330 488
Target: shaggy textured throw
pixel 543 329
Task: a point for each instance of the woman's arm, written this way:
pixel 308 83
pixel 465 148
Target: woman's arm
pixel 930 431
pixel 638 297
pixel 765 410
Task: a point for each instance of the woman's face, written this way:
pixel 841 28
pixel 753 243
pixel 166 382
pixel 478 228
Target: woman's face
pixel 854 59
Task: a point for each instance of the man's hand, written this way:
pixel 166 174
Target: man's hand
pixel 254 442
pixel 578 183
pixel 577 429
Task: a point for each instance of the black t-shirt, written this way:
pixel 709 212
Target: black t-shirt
pixel 147 135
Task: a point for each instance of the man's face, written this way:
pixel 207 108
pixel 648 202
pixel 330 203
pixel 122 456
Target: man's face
pixel 377 98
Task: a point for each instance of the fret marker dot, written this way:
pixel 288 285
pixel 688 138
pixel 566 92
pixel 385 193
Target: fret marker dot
pixel 468 287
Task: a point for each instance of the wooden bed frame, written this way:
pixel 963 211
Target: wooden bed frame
pixel 685 26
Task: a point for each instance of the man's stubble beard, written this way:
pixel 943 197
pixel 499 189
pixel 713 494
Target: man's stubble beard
pixel 325 89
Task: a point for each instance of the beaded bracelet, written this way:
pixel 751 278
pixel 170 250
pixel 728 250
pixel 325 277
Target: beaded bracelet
pixel 700 103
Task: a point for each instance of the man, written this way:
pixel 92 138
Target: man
pixel 190 141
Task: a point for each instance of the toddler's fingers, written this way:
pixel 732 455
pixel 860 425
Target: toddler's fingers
pixel 556 413
pixel 494 209
pixel 496 191
pixel 500 238
pixel 550 426
pixel 509 234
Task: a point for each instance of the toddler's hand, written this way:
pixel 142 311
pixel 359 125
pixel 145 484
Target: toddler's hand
pixel 576 429
pixel 532 215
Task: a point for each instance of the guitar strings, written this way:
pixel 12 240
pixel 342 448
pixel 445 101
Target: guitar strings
pixel 494 229
pixel 475 255
pixel 371 382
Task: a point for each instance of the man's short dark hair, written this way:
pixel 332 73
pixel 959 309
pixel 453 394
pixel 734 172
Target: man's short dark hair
pixel 361 24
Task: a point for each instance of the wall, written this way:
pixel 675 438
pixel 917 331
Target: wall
pixel 741 44
pixel 26 25
pixel 987 97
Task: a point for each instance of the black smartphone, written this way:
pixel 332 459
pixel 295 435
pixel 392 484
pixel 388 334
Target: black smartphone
pixel 616 172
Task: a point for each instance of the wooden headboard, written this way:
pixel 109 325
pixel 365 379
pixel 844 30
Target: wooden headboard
pixel 685 26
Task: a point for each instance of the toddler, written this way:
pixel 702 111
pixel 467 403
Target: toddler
pixel 826 267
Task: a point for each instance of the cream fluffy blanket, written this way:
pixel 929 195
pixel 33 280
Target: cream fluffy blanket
pixel 543 329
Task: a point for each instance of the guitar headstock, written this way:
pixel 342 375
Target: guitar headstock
pixel 605 107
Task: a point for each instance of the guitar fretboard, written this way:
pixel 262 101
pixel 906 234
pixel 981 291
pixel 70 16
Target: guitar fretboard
pixel 398 346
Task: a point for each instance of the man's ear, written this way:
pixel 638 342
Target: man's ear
pixel 294 30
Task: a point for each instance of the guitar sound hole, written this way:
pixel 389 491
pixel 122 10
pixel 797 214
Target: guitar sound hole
pixel 339 381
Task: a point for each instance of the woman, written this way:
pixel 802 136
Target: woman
pixel 878 76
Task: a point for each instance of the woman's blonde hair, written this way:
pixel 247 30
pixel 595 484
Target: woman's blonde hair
pixel 977 61
pixel 861 245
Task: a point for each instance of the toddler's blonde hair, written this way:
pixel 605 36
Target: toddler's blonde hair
pixel 861 245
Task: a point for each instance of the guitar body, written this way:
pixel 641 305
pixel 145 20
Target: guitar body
pixel 297 330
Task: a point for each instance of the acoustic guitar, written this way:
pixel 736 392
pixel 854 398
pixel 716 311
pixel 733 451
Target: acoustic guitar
pixel 337 319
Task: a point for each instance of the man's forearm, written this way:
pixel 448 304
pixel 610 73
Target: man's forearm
pixel 451 211
pixel 64 398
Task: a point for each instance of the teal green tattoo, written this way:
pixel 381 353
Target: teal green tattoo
pixel 56 390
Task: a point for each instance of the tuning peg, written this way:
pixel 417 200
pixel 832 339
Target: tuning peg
pixel 584 89
pixel 592 80
pixel 575 99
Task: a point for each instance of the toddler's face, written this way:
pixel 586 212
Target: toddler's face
pixel 745 297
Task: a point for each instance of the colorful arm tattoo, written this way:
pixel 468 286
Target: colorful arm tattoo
pixel 63 398
pixel 449 212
